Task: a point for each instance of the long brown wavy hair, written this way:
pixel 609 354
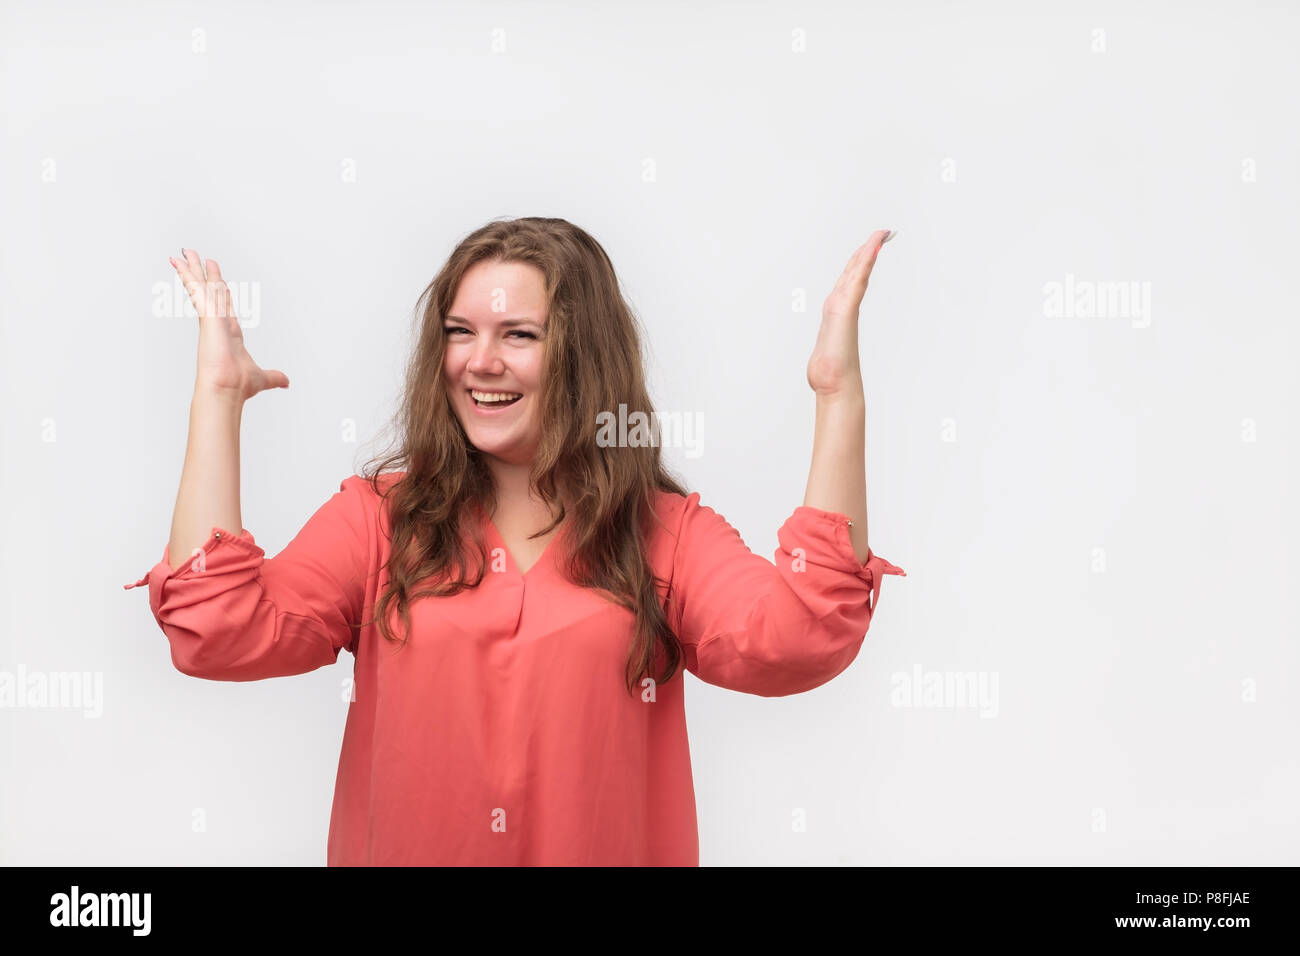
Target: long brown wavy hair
pixel 592 363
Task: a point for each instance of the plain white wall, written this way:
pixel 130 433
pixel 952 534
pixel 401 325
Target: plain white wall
pixel 1092 508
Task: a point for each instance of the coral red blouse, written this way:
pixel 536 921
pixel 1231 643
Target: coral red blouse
pixel 502 733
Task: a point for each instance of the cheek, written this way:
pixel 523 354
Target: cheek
pixel 453 366
pixel 535 370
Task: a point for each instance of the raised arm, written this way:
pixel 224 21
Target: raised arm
pixel 789 625
pixel 837 479
pixel 229 612
pixel 226 376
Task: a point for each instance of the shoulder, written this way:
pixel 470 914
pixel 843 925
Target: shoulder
pixel 368 495
pixel 371 490
pixel 684 510
pixel 679 517
pixel 670 507
pixel 375 487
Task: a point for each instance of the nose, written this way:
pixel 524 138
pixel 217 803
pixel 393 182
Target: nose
pixel 484 358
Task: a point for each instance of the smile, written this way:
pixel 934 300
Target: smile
pixel 493 401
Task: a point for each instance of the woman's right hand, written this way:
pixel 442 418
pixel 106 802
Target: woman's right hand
pixel 224 364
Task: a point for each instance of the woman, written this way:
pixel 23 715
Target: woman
pixel 520 599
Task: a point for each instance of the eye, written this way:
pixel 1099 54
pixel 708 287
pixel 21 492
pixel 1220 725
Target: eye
pixel 460 328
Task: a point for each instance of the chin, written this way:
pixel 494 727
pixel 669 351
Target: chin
pixel 505 455
pixel 492 444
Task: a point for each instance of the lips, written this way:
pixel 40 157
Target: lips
pixel 495 406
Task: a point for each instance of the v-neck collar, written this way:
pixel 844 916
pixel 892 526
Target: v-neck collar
pixel 541 558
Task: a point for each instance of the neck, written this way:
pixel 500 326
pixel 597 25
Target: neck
pixel 513 494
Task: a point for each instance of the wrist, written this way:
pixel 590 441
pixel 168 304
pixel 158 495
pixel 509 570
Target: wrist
pixel 213 395
pixel 852 398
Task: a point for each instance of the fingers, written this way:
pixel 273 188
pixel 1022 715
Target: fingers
pixel 275 378
pixel 868 252
pixel 853 280
pixel 185 268
pixel 181 266
pixel 192 285
pixel 206 287
pixel 195 264
pixel 218 290
pixel 852 284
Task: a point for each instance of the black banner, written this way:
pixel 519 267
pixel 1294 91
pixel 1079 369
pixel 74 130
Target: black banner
pixel 1228 905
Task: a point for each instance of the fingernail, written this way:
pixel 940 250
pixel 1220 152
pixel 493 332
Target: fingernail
pixel 889 235
pixel 182 252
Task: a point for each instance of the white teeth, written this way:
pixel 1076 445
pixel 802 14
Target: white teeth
pixel 494 396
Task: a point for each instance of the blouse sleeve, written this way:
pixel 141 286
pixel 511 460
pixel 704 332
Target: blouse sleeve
pixel 230 613
pixel 771 629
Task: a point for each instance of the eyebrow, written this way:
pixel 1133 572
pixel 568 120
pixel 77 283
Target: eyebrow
pixel 510 323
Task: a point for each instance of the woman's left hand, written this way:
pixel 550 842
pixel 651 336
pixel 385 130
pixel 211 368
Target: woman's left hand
pixel 834 368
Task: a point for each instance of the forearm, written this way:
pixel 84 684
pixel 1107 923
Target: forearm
pixel 209 489
pixel 837 479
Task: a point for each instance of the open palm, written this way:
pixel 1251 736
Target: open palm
pixel 833 368
pixel 224 363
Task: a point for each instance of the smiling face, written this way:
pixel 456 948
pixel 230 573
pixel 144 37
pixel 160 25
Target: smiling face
pixel 495 329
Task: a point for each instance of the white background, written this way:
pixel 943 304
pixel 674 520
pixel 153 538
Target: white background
pixel 1091 509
